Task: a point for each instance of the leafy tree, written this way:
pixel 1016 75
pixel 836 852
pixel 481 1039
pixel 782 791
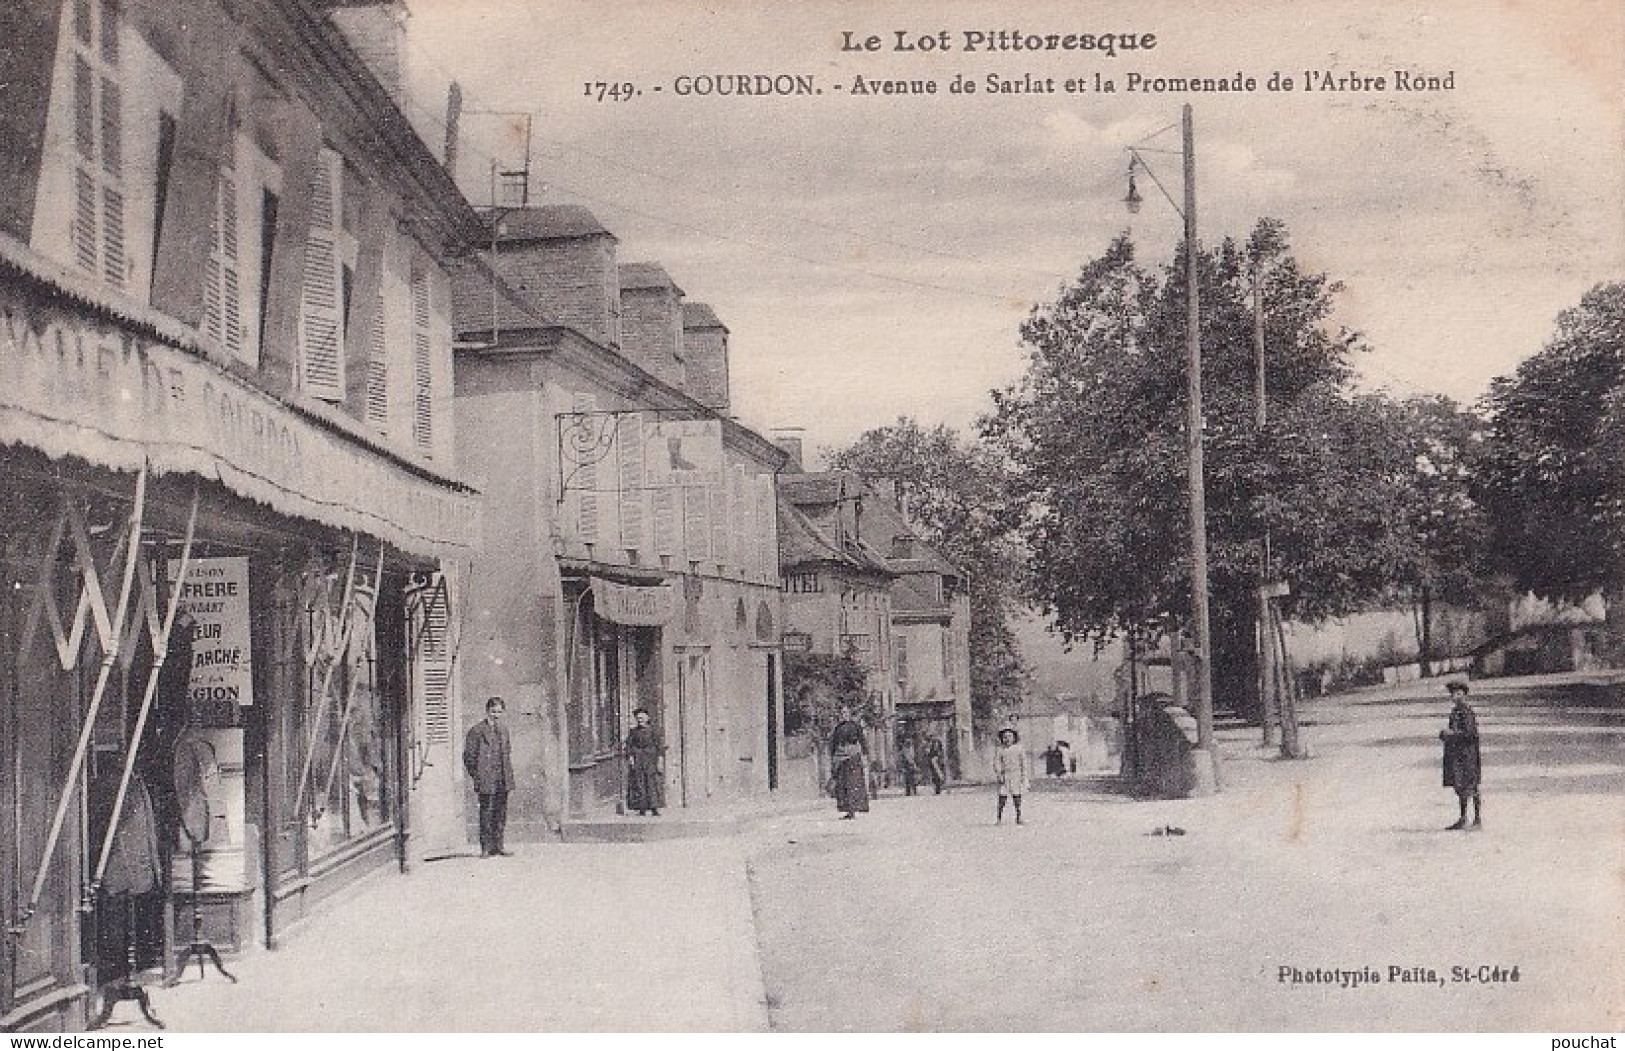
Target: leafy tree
pixel 956 493
pixel 1552 476
pixel 1438 532
pixel 818 685
pixel 1094 434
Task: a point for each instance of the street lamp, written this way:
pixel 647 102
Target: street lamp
pixel 1193 450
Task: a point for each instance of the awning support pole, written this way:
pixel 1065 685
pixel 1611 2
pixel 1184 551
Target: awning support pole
pixel 108 659
pixel 160 649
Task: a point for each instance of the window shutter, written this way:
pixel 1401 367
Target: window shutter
pixel 739 540
pixel 321 322
pixel 112 129
pixel 718 495
pixel 378 370
pixel 586 482
pixel 665 516
pixel 629 447
pixel 436 669
pixel 84 109
pixel 222 277
pixel 98 227
pixel 696 523
pixel 422 362
pixel 84 219
pixel 766 536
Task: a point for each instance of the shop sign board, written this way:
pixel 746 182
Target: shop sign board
pixel 635 606
pixel 215 594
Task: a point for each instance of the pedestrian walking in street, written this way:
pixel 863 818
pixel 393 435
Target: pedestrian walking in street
pixel 908 765
pixel 488 758
pixel 849 768
pixel 1012 770
pixel 645 766
pixel 936 763
pixel 1462 762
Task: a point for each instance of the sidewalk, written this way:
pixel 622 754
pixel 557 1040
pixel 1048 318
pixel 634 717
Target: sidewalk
pixel 558 938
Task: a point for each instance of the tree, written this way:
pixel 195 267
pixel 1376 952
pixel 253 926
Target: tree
pixel 1094 435
pixel 956 496
pixel 1552 477
pixel 1439 531
pixel 818 685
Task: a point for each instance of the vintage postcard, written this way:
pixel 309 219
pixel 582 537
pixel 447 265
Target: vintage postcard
pixel 741 516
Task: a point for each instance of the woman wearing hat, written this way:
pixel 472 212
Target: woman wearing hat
pixel 1011 770
pixel 1461 757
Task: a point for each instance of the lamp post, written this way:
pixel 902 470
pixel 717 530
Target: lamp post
pixel 1193 449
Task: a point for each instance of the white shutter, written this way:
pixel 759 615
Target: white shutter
pixel 696 523
pixel 97 229
pixel 585 481
pixel 718 496
pixel 767 540
pixel 223 285
pixel 437 670
pixel 84 219
pixel 739 540
pixel 422 362
pixel 664 500
pixel 629 449
pixel 84 109
pixel 321 321
pixel 378 368
pixel 429 632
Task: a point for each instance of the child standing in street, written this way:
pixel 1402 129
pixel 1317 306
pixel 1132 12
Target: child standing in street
pixel 1012 771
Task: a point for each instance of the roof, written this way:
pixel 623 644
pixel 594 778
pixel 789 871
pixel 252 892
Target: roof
pixel 645 275
pixel 883 523
pixel 801 541
pixel 700 315
pixel 819 487
pixel 547 222
pixel 913 594
pixel 471 284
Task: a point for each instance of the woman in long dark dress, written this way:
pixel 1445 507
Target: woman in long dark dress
pixel 849 770
pixel 645 783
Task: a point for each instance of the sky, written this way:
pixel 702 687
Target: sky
pixel 874 256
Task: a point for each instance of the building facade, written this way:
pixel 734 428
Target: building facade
pixel 859 580
pixel 225 437
pixel 630 549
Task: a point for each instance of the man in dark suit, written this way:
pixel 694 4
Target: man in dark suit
pixel 1462 763
pixel 488 759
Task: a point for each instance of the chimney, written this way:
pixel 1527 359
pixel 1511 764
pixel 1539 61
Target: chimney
pixel 561 262
pixel 454 116
pixel 705 356
pixel 377 32
pixel 652 321
pixel 791 444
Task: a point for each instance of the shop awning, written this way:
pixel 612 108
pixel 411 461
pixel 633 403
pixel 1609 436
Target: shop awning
pixel 76 382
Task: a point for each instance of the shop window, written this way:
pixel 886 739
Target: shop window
pixel 335 730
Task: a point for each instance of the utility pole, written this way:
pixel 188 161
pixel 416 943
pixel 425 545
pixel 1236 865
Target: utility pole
pixel 1193 445
pixel 1268 698
pixel 1275 674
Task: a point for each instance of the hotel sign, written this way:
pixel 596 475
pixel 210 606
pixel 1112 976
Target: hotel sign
pixel 634 606
pixel 682 453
